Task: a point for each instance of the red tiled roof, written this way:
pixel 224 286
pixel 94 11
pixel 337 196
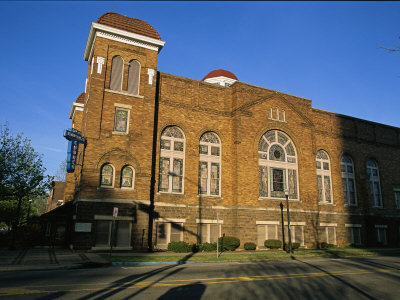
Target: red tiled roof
pixel 81 98
pixel 137 26
pixel 220 72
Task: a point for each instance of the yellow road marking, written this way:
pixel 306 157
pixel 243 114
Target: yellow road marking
pixel 176 282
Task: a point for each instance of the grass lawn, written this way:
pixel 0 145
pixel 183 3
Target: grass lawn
pixel 252 255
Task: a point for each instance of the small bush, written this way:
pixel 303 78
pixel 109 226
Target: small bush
pixel 273 244
pixel 181 247
pixel 295 246
pixel 208 247
pixel 250 246
pixel 325 245
pixel 229 243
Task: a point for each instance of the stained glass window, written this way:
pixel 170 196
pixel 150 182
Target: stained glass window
pixel 133 77
pixel 117 68
pixel 127 177
pixel 210 164
pixel 349 191
pixel 277 166
pixel 121 120
pixel 323 177
pixel 107 175
pixel 172 148
pixel 374 182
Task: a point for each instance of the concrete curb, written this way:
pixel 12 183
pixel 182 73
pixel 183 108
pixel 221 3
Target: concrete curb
pixel 83 265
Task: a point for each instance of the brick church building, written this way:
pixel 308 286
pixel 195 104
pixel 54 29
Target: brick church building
pixel 177 155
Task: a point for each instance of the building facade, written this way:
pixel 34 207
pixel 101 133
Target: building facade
pixel 177 155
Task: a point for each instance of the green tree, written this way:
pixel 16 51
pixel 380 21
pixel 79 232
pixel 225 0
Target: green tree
pixel 22 175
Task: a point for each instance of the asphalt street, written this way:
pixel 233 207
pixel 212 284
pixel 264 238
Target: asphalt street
pixel 350 278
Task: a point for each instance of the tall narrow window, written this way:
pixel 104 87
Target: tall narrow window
pixel 348 182
pixel 117 67
pixel 374 183
pixel 277 166
pixel 107 176
pixel 323 177
pixel 397 197
pixel 127 177
pixel 172 159
pixel 133 77
pixel 210 165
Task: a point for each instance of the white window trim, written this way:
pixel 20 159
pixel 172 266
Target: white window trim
pixel 324 227
pixel 113 177
pixel 124 108
pixel 346 175
pixel 110 219
pixel 122 73
pixel 322 172
pixel 171 155
pixel 168 233
pixel 208 223
pixel 209 159
pixel 266 237
pixel 133 178
pixel 292 230
pixel 267 223
pixel 279 165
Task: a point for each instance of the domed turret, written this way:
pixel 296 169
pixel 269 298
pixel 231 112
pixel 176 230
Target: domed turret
pixel 221 77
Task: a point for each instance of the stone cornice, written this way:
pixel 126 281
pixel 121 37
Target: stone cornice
pixel 120 36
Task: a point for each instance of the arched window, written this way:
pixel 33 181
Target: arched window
pixel 348 182
pixel 127 177
pixel 107 176
pixel 277 163
pixel 323 177
pixel 117 68
pixel 210 165
pixel 133 77
pixel 172 158
pixel 374 182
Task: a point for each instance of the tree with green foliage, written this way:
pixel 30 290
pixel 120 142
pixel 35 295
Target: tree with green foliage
pixel 22 175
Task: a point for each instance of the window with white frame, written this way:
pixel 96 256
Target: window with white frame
pixel 168 232
pixel 381 234
pixel 172 160
pixel 127 177
pixel 277 166
pixel 323 177
pixel 117 68
pixel 266 231
pixel 353 234
pixel 348 181
pixel 327 233
pixel 210 165
pixel 374 183
pixel 133 77
pixel 121 120
pixel 397 197
pixel 107 176
pixel 297 233
pixel 208 231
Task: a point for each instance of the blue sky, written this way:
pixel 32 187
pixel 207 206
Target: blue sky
pixel 323 51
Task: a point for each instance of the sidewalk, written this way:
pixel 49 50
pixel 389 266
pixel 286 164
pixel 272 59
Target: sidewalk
pixel 48 259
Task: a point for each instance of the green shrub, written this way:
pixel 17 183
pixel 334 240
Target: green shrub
pixel 295 246
pixel 250 246
pixel 208 247
pixel 229 243
pixel 325 245
pixel 273 244
pixel 181 247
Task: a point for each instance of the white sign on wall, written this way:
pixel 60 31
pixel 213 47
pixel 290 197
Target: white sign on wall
pixel 83 227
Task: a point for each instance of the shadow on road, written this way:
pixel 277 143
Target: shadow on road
pixel 130 281
pixel 192 291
